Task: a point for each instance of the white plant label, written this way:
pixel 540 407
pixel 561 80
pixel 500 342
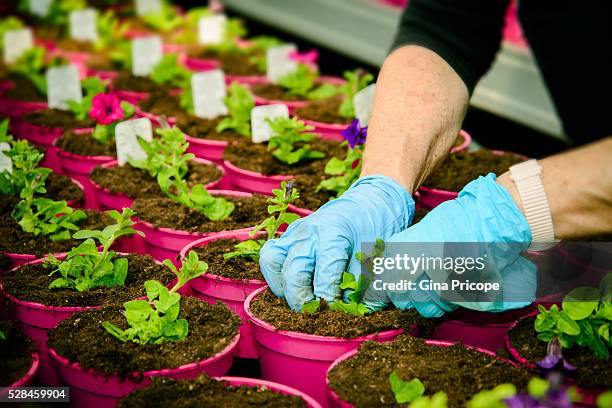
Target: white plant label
pixel 40 8
pixel 84 25
pixel 126 139
pixel 363 102
pixel 279 62
pixel 208 90
pixel 260 128
pixel 16 42
pixel 211 29
pixel 146 54
pixel 5 162
pixel 148 7
pixel 63 85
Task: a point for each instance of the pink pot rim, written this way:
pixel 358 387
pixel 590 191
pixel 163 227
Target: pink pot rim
pixel 298 210
pixel 228 193
pixel 304 336
pixel 113 163
pixel 29 374
pixel 467 140
pixel 249 173
pixel 333 126
pixel 152 373
pixel 210 142
pixel 216 237
pixel 74 156
pixel 511 349
pixel 273 386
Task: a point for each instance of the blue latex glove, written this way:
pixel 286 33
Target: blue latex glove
pixel 310 257
pixel 483 213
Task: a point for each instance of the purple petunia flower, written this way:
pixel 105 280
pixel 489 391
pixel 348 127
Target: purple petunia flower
pixel 554 358
pixel 355 134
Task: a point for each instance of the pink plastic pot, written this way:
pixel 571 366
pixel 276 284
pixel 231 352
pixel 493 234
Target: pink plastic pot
pixel 272 386
pixel 212 288
pixel 27 378
pixel 165 243
pixel 207 149
pixel 132 97
pixel 102 74
pixel 119 201
pixel 334 399
pixel 329 131
pixel 200 64
pixel 12 108
pixel 246 79
pixel 251 181
pixel 301 360
pixel 467 140
pixel 302 212
pixel 91 389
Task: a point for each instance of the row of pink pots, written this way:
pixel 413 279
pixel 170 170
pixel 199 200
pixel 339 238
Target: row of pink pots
pixel 26 380
pixel 12 108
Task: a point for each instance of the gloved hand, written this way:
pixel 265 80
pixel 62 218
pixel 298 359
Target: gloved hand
pixel 482 220
pixel 310 257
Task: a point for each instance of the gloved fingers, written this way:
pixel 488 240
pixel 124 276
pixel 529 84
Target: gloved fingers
pixel 331 263
pixel 297 272
pixel 271 259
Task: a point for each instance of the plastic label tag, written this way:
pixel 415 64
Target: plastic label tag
pixel 40 8
pixel 363 102
pixel 84 25
pixel 208 90
pixel 146 54
pixel 148 7
pixel 16 42
pixel 260 128
pixel 211 29
pixel 5 162
pixel 63 85
pixel 279 63
pixel 126 139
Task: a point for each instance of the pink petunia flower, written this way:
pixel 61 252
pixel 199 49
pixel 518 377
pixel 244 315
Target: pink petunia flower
pixel 106 109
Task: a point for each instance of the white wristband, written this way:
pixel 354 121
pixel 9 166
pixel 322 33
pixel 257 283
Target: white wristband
pixel 526 177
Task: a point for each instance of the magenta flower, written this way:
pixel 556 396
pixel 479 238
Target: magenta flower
pixel 106 109
pixel 355 134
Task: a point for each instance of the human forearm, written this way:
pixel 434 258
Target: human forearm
pixel 419 106
pixel 578 184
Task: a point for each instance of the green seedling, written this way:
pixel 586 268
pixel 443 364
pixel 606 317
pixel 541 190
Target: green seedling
pixel 239 102
pixel 289 141
pixel 343 172
pixel 355 82
pixel 170 72
pixel 91 87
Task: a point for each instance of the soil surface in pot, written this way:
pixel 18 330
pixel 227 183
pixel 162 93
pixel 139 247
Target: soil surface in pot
pixel 24 90
pixel 309 197
pixel 60 187
pixel 255 157
pixel 591 372
pixel 164 212
pixel 458 169
pixel 273 92
pixel 240 268
pixel 69 44
pixel 15 240
pixel 31 283
pixel 82 339
pixel 85 145
pixel 55 118
pixel 137 183
pixel 326 322
pixel 324 111
pixel 240 64
pixel 126 81
pixel 456 370
pixel 206 392
pixel 162 103
pixel 15 354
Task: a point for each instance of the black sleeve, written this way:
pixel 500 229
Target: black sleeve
pixel 465 33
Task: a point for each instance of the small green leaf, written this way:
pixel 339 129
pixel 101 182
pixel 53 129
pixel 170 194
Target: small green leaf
pixel 405 391
pixel 311 307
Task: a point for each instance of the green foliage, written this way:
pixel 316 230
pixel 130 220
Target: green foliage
pixel 289 141
pixel 343 172
pixel 278 205
pixel 111 30
pixel 168 19
pixel 155 320
pixel 91 87
pixel 258 48
pixel 2 336
pixel 302 83
pixel 312 306
pixel 8 24
pixel 170 72
pixel 355 81
pixel 405 391
pixel 438 400
pixel 105 133
pixel 59 10
pixel 239 102
pixel 121 54
pixel 167 162
pixel 584 320
pixel 24 159
pixel 604 400
pixel 84 267
pixel 493 398
pixel 32 65
pixel 538 387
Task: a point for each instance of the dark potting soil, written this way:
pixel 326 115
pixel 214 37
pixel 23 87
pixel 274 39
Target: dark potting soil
pixel 31 283
pixel 273 92
pixel 15 240
pixel 326 322
pixel 60 187
pixel 128 82
pixel 162 103
pixel 456 370
pixel 241 267
pixel 55 118
pixel 324 111
pixel 82 339
pixel 163 212
pixel 85 145
pixel 234 63
pixel 255 157
pixel 24 90
pixel 206 392
pixel 460 168
pixel 137 183
pixel 309 197
pixel 69 44
pixel 591 372
pixel 15 353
